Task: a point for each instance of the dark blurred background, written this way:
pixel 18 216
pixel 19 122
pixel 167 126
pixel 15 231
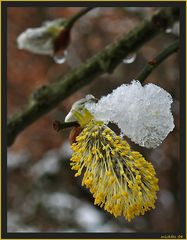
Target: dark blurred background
pixel 43 194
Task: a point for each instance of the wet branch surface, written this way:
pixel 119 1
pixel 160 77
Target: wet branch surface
pixel 48 96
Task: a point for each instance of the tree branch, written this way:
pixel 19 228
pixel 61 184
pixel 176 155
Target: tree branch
pixel 70 22
pixel 48 96
pixel 151 65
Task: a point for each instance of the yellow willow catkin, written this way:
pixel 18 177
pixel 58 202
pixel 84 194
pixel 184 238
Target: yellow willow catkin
pixel 121 180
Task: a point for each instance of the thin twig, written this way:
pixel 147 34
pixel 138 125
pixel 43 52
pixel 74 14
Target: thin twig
pixel 152 64
pixel 48 96
pixel 70 22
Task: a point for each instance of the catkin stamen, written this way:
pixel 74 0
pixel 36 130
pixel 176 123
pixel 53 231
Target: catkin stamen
pixel 121 180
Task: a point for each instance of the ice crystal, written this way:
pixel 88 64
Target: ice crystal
pixel 141 112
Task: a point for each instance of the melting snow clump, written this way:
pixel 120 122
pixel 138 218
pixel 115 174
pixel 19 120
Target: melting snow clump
pixel 143 113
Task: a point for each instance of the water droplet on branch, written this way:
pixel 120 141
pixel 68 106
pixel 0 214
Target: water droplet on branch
pixel 130 58
pixel 60 57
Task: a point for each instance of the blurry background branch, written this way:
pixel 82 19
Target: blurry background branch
pixel 48 96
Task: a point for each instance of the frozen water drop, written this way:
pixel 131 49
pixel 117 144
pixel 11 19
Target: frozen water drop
pixel 60 57
pixel 168 30
pixel 130 58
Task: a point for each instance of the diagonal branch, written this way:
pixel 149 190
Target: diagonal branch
pixel 152 64
pixel 48 96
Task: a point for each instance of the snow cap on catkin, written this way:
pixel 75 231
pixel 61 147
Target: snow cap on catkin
pixel 143 113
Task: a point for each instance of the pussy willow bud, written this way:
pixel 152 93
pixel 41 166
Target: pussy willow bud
pixel 48 39
pixel 120 179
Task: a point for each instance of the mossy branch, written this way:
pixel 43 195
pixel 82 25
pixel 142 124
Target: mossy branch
pixel 48 96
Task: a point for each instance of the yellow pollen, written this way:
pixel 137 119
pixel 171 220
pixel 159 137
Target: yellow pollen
pixel 121 180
